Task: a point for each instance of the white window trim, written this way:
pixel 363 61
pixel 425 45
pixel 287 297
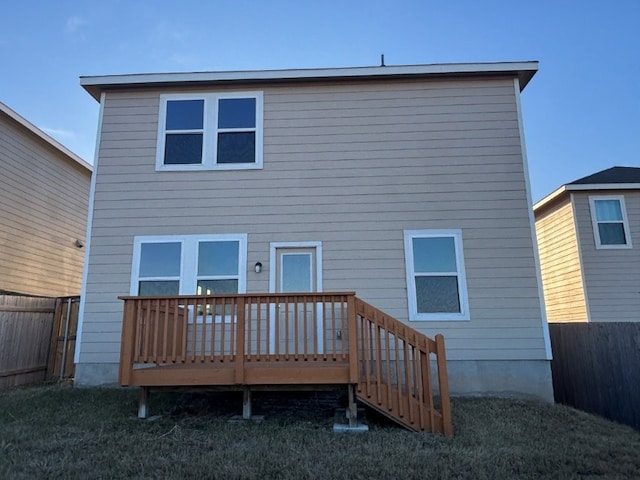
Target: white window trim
pixel 456 234
pixel 594 221
pixel 210 132
pixel 188 279
pixel 273 246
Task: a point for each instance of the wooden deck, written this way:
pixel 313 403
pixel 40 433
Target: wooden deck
pixel 287 340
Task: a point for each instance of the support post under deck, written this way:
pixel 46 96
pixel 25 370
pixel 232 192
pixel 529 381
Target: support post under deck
pixel 352 409
pixel 143 403
pixel 246 403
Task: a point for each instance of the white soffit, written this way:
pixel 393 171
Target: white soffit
pixel 95 84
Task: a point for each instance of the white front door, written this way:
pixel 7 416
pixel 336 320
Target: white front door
pixel 296 268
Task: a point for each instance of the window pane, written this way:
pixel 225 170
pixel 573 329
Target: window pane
pixel 217 287
pixel 237 113
pixel 170 287
pixel 437 295
pixel 160 259
pixel 612 234
pixel 183 149
pixel 434 254
pixel 608 210
pixel 296 273
pixel 237 147
pixel 185 114
pixel 218 258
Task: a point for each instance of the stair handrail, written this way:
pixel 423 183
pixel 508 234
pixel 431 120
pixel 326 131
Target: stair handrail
pixel 439 420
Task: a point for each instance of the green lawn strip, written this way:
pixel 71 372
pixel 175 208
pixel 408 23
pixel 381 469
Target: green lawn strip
pixel 61 432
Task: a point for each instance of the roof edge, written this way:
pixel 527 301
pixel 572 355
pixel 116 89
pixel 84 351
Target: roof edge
pixel 549 198
pixel 584 187
pixel 19 119
pixel 523 70
pixel 604 186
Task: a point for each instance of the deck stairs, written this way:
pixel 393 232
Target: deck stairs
pixel 395 372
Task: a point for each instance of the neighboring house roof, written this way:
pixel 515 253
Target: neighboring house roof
pixel 614 178
pixel 524 71
pixel 611 175
pixel 24 123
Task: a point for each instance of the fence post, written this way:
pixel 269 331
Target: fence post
pixel 240 332
pixel 65 339
pixel 443 383
pixel 353 338
pixel 53 345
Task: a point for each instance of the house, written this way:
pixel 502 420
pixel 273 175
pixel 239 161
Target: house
pixel 407 185
pixel 588 235
pixel 44 194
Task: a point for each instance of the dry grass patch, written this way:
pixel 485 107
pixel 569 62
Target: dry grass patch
pixel 59 432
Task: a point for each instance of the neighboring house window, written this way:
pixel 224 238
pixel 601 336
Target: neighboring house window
pixel 436 283
pixel 610 223
pixel 189 264
pixel 210 131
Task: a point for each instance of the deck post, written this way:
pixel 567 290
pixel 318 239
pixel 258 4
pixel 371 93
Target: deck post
pixel 353 338
pixel 143 403
pixel 246 403
pixel 126 352
pixel 239 373
pixel 352 409
pixel 443 384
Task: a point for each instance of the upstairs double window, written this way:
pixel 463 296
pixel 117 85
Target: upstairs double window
pixel 210 131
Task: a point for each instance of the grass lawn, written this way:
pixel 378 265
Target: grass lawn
pixel 60 432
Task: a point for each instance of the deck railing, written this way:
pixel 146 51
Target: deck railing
pixel 290 339
pixel 238 330
pixel 395 375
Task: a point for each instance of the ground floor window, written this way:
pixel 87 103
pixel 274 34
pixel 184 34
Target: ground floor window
pixel 189 264
pixel 436 283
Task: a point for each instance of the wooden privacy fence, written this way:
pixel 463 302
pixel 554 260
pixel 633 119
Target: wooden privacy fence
pixel 33 333
pixel 63 338
pixel 596 368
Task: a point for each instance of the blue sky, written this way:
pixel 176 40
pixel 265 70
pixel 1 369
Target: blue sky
pixel 581 111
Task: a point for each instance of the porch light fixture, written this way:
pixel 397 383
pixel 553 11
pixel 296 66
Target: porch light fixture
pixel 258 267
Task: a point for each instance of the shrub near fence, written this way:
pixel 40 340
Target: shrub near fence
pixel 596 368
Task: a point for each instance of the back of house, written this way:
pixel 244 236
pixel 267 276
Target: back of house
pixel 407 185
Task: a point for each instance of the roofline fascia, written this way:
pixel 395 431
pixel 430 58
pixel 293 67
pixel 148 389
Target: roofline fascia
pixel 19 119
pixel 584 187
pixel 95 84
pixel 604 186
pixel 549 198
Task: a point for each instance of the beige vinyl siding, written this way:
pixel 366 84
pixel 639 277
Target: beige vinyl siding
pixel 351 165
pixel 560 264
pixel 43 210
pixel 612 276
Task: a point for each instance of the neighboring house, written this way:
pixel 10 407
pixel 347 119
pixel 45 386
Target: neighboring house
pixel 588 238
pixel 407 185
pixel 44 195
